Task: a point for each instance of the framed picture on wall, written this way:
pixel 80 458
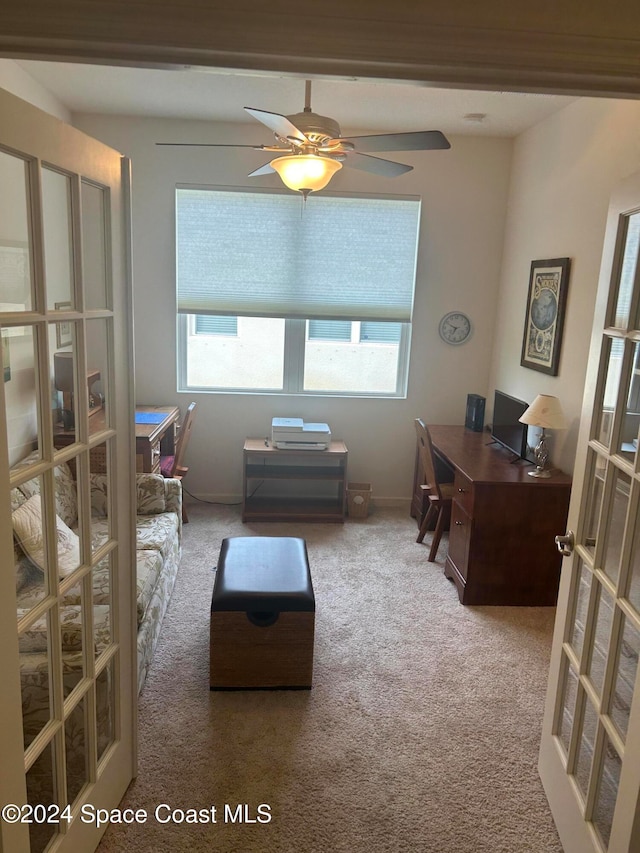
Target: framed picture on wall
pixel 6 356
pixel 544 320
pixel 63 330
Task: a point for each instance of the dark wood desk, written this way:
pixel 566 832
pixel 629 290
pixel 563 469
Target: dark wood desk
pixel 503 522
pixel 152 440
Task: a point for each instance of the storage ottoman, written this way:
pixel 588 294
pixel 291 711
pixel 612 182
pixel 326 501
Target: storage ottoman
pixel 262 615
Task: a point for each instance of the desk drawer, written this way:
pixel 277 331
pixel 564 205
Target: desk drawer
pixel 463 492
pixel 459 538
pixel 155 458
pixel 147 457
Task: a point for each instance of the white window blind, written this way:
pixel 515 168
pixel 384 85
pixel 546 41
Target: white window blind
pixel 209 324
pixel 381 333
pixel 264 255
pixel 329 330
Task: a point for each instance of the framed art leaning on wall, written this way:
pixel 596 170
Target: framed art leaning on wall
pixel 544 321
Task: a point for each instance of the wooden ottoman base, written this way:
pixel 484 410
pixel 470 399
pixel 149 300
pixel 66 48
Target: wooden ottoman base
pixel 262 615
pixel 249 656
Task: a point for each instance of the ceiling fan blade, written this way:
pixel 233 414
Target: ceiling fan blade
pixel 216 145
pixel 376 165
pixel 267 169
pixel 280 125
pixel 420 140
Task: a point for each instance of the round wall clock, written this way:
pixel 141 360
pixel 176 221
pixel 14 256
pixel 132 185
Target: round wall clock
pixel 455 328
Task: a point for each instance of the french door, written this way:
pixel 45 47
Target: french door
pixel 590 750
pixel 67 635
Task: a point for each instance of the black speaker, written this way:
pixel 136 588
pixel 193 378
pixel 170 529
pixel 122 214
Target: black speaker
pixel 474 419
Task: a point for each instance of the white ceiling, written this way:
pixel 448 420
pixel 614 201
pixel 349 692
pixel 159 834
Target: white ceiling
pixel 220 95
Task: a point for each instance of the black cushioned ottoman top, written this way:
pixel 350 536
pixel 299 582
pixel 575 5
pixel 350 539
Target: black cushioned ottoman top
pixel 263 573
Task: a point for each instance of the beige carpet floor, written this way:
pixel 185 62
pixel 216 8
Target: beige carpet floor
pixel 420 733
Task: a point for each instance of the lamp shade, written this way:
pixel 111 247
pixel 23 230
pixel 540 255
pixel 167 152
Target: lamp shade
pixel 306 172
pixel 63 371
pixel 545 412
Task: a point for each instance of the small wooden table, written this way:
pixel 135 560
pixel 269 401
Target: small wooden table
pixel 155 439
pixel 293 485
pixel 152 439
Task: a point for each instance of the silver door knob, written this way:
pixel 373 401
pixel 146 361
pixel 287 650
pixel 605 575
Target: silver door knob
pixel 566 543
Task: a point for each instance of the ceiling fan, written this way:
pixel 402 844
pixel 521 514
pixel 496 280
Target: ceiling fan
pixel 310 148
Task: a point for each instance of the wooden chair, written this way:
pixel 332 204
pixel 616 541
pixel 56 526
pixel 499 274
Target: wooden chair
pixel 439 495
pixel 173 466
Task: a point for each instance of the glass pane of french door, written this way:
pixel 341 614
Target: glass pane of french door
pixel 15 249
pixel 590 708
pixel 57 218
pixel 67 431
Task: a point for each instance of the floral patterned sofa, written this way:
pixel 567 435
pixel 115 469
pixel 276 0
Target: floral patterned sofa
pixel 158 550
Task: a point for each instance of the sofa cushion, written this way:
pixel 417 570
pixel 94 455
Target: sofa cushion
pixel 66 497
pixel 100 584
pixel 27 527
pixel 99 495
pixel 150 494
pixel 99 532
pixel 149 566
pixel 153 532
pixel 29 487
pixel 23 567
pixel 17 499
pixel 35 638
pixel 157 532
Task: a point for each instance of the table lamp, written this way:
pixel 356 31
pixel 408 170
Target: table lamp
pixel 63 381
pixel 545 412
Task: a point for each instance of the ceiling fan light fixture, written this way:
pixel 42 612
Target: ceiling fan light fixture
pixel 305 172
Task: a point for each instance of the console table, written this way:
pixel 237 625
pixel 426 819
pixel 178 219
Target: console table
pixel 293 485
pixel 152 439
pixel 503 522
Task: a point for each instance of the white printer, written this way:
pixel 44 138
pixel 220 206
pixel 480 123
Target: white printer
pixel 295 434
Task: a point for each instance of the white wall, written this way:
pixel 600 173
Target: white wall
pixel 564 170
pixel 464 194
pixel 23 85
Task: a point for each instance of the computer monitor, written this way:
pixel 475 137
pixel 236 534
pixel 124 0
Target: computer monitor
pixel 506 428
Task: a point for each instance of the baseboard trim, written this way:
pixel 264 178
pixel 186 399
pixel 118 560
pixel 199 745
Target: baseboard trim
pixel 236 500
pixel 392 502
pixel 227 500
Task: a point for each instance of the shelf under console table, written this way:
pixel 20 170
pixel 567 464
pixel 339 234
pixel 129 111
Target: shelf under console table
pixel 293 485
pixel 503 522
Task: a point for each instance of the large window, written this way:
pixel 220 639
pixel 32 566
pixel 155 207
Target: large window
pixel 278 296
